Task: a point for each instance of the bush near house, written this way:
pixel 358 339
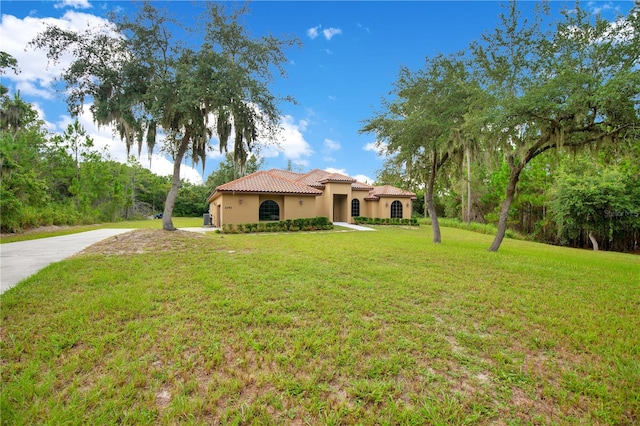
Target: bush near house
pixel 361 220
pixel 320 223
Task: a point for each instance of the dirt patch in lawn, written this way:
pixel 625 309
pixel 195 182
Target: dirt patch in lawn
pixel 143 241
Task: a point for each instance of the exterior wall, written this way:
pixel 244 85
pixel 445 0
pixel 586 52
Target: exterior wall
pixel 326 207
pixel 296 207
pixel 336 201
pixel 232 211
pixel 382 208
pixel 365 206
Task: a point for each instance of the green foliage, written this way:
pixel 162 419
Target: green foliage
pixel 601 201
pixel 319 223
pixel 191 200
pixel 63 180
pixel 556 87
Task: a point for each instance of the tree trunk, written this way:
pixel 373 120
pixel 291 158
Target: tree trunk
pixel 431 208
pixel 594 242
pixel 167 222
pixel 514 176
pixel 468 185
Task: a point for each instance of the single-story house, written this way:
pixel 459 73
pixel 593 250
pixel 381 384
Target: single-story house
pixel 270 195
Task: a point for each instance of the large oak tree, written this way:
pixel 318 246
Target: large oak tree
pixel 424 125
pixel 573 84
pixel 151 84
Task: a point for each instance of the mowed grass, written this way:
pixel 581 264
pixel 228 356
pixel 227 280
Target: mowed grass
pixel 326 328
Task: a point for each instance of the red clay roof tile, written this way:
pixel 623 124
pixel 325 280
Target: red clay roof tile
pixel 267 181
pixel 287 182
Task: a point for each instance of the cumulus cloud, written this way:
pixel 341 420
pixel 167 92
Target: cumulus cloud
pixel 37 75
pixel 363 179
pixel 377 147
pixel 313 32
pixel 290 142
pixel 334 170
pixel 76 4
pixel 329 33
pixel 331 145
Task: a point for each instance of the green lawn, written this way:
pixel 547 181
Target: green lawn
pixel 331 327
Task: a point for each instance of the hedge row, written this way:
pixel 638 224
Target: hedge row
pixel 291 225
pixel 361 220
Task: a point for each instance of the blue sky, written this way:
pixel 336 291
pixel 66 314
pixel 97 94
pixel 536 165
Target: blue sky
pixel 351 54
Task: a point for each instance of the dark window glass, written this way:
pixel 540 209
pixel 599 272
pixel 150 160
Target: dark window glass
pixel 269 210
pixel 355 207
pixel 396 210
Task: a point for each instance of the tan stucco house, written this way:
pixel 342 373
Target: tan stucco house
pixel 274 194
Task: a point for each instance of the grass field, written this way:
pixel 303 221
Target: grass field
pixel 328 328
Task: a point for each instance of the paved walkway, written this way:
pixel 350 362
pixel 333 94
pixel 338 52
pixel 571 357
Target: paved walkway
pixel 351 226
pixel 22 259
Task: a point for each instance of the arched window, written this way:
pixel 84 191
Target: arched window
pixel 355 207
pixel 269 210
pixel 396 210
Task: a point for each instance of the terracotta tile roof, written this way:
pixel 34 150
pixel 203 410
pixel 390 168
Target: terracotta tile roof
pixel 313 178
pixel 337 177
pixel 311 183
pixel 265 182
pixel 390 191
pixel 359 186
pixel 285 174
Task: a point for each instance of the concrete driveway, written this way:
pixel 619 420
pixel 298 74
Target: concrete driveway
pixel 24 258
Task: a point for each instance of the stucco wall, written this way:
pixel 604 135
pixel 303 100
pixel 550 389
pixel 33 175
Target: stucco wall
pixel 235 208
pixel 297 207
pixel 382 208
pixel 325 207
pixel 234 211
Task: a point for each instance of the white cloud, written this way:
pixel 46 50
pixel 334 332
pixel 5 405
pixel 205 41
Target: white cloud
pixel 313 32
pixel 377 147
pixel 37 75
pixel 290 141
pixel 329 33
pixel 371 146
pixel 331 145
pixel 76 4
pixel 363 179
pixel 334 170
